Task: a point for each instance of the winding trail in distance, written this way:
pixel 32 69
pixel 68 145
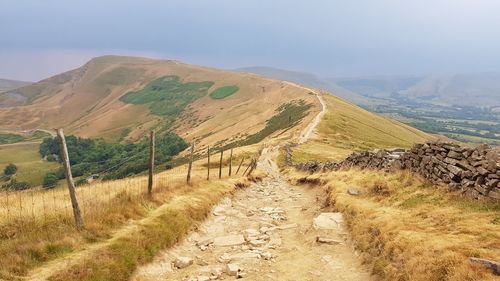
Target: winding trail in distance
pixel 308 131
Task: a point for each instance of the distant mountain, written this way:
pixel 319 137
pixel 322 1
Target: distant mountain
pixel 7 85
pixel 481 90
pixel 307 79
pixel 121 98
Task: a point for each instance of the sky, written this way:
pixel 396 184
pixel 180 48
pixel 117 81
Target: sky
pixel 326 37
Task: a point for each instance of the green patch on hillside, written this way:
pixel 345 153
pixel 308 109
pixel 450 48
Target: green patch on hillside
pixel 288 116
pixel 10 138
pixel 168 96
pixel 7 138
pixel 224 92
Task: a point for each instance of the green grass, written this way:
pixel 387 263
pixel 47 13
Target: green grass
pixel 168 96
pixel 289 115
pixel 31 168
pixel 10 138
pixel 224 92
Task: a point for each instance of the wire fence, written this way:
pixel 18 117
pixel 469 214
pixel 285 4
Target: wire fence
pixel 46 206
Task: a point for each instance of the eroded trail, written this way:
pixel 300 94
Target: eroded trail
pixel 267 231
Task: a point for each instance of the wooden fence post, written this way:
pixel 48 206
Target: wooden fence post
pixel 254 165
pixel 249 165
pixel 220 164
pixel 230 162
pixel 190 164
pixel 151 161
pixel 239 166
pixel 208 163
pixel 71 184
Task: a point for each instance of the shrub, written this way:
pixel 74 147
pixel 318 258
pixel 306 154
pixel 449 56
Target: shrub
pixel 10 169
pixel 81 181
pixel 17 185
pixel 50 180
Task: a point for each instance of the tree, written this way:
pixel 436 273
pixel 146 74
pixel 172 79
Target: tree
pixel 50 180
pixel 10 169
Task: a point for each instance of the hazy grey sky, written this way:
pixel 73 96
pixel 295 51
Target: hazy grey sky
pixel 331 38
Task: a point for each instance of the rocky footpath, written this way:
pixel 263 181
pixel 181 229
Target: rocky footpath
pixel 473 171
pixel 268 231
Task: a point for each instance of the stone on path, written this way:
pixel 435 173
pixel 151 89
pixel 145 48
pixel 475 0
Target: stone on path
pixel 183 262
pixel 328 221
pixel 242 256
pixel 287 226
pixel 230 240
pixel 232 269
pixel 352 191
pixel 325 240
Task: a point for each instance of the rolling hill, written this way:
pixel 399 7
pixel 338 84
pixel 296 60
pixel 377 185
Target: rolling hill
pixel 120 98
pixel 464 107
pixel 7 85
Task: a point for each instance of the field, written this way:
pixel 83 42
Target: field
pixel 37 226
pixel 410 230
pixel 31 168
pixel 466 123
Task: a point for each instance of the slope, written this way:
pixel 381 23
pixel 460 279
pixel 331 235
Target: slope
pixel 120 98
pixel 346 127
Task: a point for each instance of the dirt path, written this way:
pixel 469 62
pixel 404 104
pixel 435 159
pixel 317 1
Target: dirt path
pixel 306 134
pixel 267 231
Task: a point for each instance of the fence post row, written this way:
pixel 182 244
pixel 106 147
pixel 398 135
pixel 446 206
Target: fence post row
pixel 151 161
pixel 208 163
pixel 254 165
pixel 248 167
pixel 71 184
pixel 230 161
pixel 239 166
pixel 220 164
pixel 190 163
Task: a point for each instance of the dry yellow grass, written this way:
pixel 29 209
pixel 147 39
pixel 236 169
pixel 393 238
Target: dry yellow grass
pixel 410 230
pixel 36 226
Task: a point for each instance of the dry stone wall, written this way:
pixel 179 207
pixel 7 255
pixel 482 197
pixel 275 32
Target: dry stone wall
pixel 472 171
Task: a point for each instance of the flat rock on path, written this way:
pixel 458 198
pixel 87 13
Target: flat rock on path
pixel 268 231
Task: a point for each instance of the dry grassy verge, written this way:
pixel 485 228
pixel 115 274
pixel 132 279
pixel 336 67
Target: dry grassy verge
pixel 409 230
pixel 138 245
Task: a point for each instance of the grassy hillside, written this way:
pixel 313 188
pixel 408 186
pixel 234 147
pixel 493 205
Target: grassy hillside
pixel 346 127
pixel 121 98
